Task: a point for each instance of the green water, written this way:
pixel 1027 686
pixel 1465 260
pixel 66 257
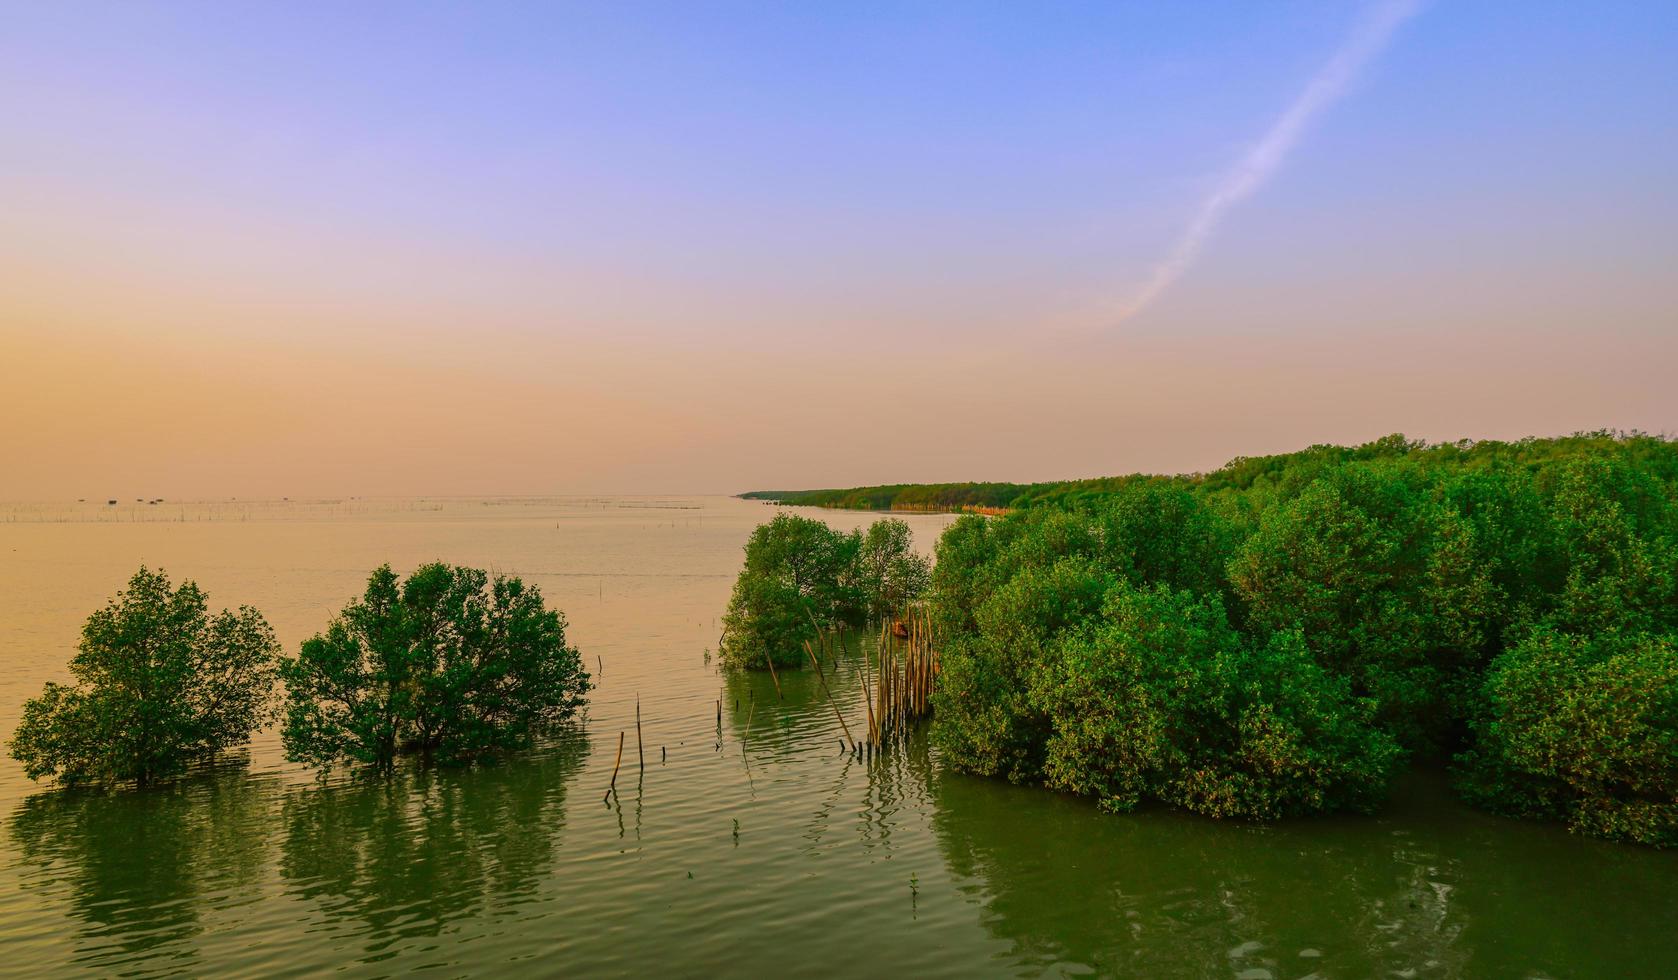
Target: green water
pixel 765 852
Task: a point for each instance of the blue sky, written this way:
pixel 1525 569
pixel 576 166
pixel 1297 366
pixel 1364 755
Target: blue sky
pixel 981 186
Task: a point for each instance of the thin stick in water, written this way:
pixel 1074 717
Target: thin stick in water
pixel 613 788
pixel 769 659
pixel 831 703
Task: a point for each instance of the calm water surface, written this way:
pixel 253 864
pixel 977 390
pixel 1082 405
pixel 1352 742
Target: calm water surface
pixel 760 852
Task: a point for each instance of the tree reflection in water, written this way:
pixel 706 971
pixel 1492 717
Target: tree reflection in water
pixel 141 870
pixel 1428 889
pixel 407 855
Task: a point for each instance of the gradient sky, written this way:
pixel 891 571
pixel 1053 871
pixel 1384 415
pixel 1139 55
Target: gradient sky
pixel 298 249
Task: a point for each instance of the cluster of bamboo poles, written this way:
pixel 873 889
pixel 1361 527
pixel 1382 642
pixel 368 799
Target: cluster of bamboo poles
pixel 905 672
pixel 897 684
pixel 897 680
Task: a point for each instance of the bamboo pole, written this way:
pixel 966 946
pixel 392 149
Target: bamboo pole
pixel 926 681
pixel 867 698
pixel 885 694
pixel 831 703
pixel 893 692
pixel 931 666
pixel 920 667
pixel 888 690
pixel 915 673
pixel 915 667
pixel 613 788
pixel 910 662
pixel 820 636
pixel 640 755
pixel 891 687
pixel 817 661
pixel 770 660
pixel 882 688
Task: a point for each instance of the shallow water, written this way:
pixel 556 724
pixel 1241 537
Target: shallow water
pixel 769 853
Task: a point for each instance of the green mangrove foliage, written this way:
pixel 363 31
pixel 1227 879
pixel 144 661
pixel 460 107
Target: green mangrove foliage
pixel 1158 697
pixel 801 575
pixel 449 662
pixel 1277 637
pixel 1584 728
pixel 889 572
pixel 160 685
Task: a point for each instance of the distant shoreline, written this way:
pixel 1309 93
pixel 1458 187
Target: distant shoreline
pixel 1240 473
pixel 767 498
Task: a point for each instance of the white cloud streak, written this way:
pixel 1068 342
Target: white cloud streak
pixel 1268 154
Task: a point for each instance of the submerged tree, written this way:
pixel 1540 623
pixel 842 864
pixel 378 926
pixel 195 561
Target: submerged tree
pixel 890 573
pixel 160 684
pixel 450 663
pixel 1583 730
pixel 798 577
pixel 1159 698
pixel 802 575
pixel 1277 636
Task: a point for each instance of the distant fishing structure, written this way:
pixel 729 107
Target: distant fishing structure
pixel 1267 155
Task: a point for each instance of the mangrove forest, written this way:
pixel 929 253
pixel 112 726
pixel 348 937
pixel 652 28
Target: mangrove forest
pixel 1284 635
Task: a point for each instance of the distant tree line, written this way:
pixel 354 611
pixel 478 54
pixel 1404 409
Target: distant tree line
pixel 1263 473
pixel 801 576
pixel 907 496
pixel 450 663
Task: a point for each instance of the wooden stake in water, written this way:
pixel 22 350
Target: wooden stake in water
pixel 613 788
pixel 639 754
pixel 868 700
pixel 750 713
pixel 831 703
pixel 820 636
pixel 769 659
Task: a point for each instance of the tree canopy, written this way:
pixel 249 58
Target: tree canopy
pixel 449 662
pixel 801 575
pixel 1277 636
pixel 160 685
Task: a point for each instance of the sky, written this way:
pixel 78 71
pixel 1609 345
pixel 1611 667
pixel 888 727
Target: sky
pixel 339 249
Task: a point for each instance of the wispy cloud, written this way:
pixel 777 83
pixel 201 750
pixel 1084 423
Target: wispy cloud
pixel 1262 160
